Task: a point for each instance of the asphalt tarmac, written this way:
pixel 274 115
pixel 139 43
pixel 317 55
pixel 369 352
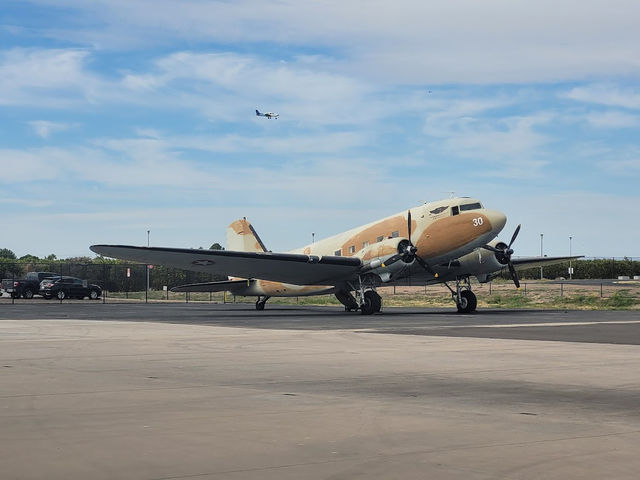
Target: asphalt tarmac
pixel 159 391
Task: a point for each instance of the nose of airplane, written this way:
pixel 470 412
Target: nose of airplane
pixel 497 219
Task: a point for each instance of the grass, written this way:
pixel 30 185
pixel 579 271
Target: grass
pixel 537 294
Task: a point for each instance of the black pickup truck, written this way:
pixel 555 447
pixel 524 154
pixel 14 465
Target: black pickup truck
pixel 27 287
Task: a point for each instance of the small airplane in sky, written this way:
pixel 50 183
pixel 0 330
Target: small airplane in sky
pixel 448 241
pixel 269 115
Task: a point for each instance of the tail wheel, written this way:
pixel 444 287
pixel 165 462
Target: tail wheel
pixel 468 302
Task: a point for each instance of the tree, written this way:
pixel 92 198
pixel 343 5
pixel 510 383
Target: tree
pixel 6 253
pixel 216 246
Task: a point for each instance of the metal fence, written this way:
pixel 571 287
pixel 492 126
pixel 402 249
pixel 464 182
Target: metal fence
pixel 135 281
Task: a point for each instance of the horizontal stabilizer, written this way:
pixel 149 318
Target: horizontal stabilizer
pixel 530 262
pixel 210 286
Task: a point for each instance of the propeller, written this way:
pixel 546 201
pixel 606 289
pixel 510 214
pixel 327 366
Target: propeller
pixel 407 251
pixel 503 254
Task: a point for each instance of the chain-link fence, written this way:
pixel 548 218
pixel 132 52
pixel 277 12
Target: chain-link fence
pixel 117 281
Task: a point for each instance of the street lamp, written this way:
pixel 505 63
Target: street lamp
pixel 541 237
pixel 148 232
pixel 570 269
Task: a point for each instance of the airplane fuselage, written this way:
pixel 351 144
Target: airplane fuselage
pixel 443 232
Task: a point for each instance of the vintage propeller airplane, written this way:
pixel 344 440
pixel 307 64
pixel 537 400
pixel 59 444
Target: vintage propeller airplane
pixel 448 241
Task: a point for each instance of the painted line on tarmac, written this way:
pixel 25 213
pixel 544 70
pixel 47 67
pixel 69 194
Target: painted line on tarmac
pixel 550 324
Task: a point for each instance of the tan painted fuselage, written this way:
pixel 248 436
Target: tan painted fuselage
pixel 442 231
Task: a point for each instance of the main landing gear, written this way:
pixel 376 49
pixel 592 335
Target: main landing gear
pixel 465 299
pixel 366 300
pixel 371 303
pixel 261 302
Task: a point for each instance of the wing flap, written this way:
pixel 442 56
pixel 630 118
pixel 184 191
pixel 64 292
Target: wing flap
pixel 292 268
pixel 210 286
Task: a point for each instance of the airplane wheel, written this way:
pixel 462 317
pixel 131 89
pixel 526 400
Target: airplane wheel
pixel 367 307
pixel 468 302
pixel 376 300
pixel 260 305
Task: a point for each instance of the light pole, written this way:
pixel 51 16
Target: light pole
pixel 541 237
pixel 570 269
pixel 148 232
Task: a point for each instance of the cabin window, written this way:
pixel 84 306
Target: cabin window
pixel 395 234
pixel 455 210
pixel 380 238
pixel 365 244
pixel 470 206
pixel 337 253
pixel 352 249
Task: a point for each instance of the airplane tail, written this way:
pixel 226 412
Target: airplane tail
pixel 241 237
pixel 258 113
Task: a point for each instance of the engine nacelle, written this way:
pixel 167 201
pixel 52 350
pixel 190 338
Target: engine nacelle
pixel 374 256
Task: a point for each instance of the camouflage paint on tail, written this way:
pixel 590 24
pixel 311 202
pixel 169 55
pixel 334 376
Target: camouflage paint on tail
pixel 241 237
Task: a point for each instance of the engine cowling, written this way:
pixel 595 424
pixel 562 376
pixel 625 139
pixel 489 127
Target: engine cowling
pixel 374 256
pixel 500 256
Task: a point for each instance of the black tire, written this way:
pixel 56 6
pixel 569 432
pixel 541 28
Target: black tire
pixel 61 295
pixel 376 300
pixel 260 305
pixel 468 302
pixel 27 293
pixel 93 295
pixel 367 307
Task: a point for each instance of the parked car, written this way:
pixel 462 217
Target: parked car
pixel 28 286
pixel 69 287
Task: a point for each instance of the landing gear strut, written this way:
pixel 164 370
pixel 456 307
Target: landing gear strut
pixel 261 301
pixel 367 299
pixel 465 299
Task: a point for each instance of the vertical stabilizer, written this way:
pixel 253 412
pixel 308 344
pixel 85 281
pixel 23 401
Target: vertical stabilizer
pixel 241 237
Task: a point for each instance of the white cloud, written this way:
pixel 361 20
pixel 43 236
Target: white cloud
pixel 606 94
pixel 44 128
pixel 462 41
pixel 44 78
pixel 613 120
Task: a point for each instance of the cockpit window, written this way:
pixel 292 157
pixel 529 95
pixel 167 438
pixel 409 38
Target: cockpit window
pixel 438 210
pixel 455 210
pixel 470 206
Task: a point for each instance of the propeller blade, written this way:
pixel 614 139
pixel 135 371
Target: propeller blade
pixel 514 275
pixel 409 226
pixel 490 248
pixel 424 265
pixel 391 260
pixel 513 237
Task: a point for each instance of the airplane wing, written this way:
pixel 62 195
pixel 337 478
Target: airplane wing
pixel 211 286
pixel 530 262
pixel 281 267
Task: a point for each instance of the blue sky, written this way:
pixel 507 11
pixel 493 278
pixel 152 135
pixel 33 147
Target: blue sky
pixel 122 116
